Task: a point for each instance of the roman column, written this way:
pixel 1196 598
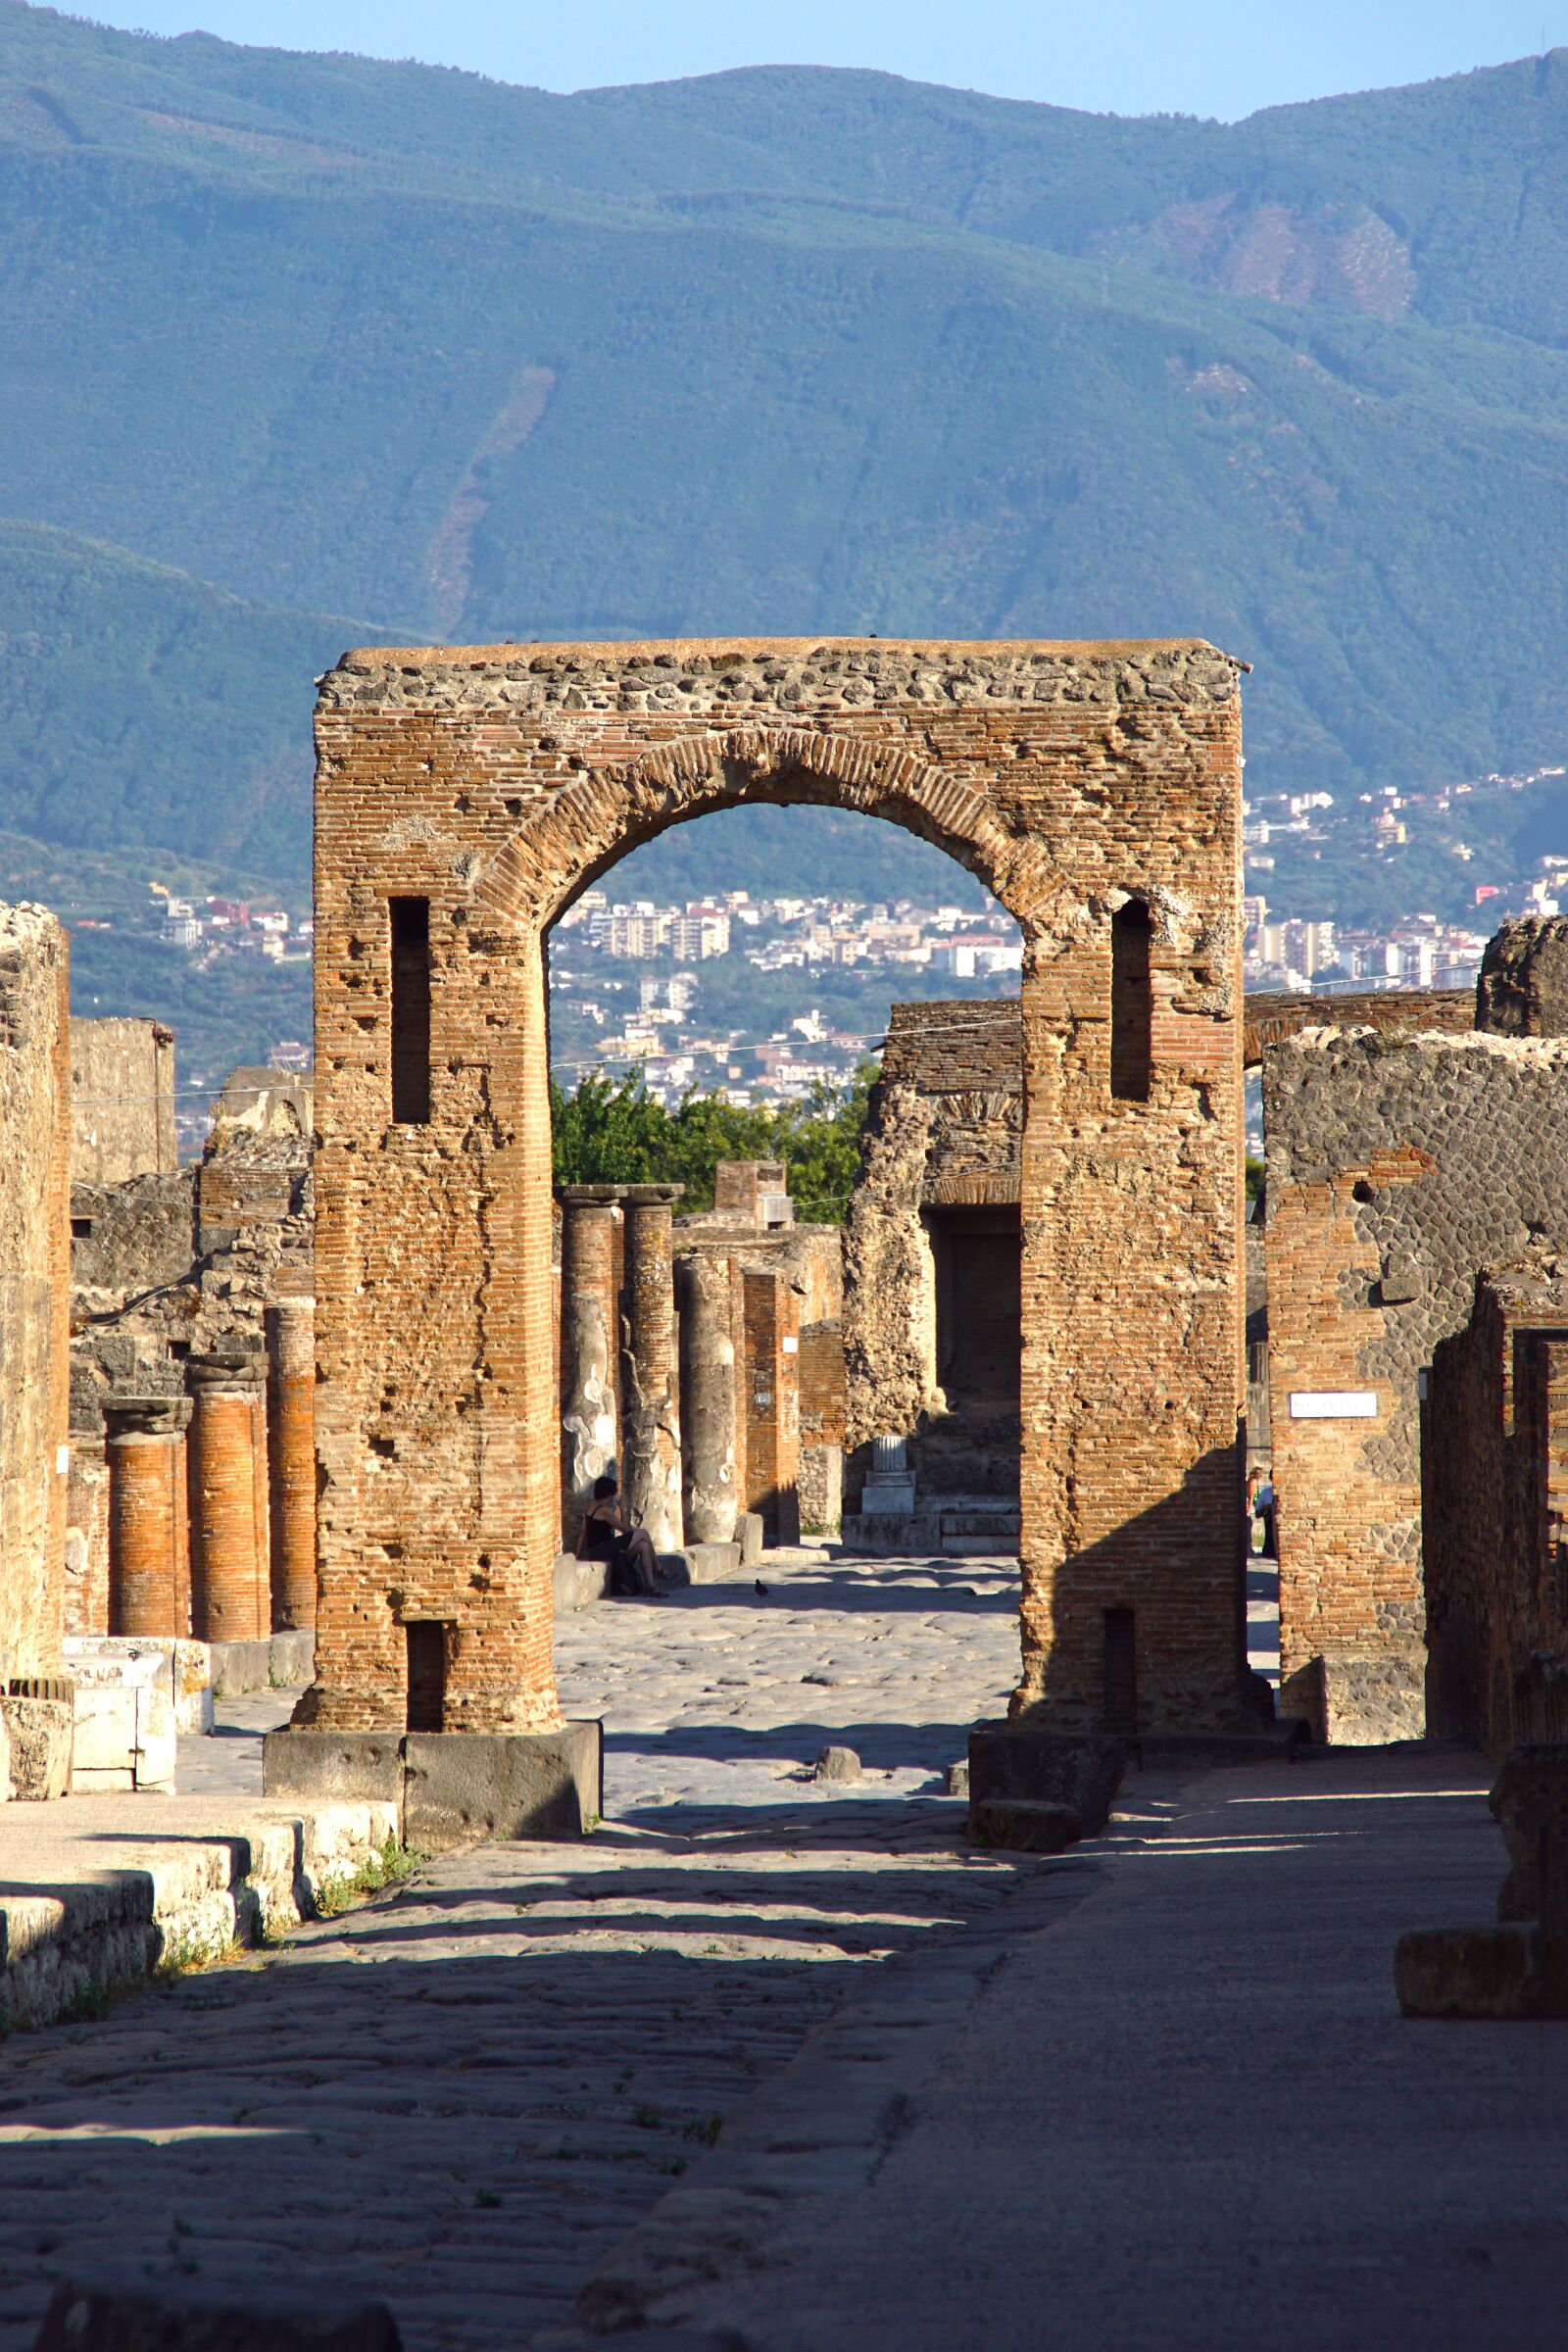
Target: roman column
pixel 291 1459
pixel 145 1453
pixel 709 1492
pixel 651 1433
pixel 588 1353
pixel 230 1579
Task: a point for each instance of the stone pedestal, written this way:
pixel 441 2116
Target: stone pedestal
pixel 589 1345
pixel 650 1472
pixel 291 1460
pixel 145 1452
pixel 231 1570
pixel 710 1493
pixel 451 1787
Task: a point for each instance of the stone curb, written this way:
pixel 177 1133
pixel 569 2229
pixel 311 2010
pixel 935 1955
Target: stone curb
pixel 819 2129
pixel 66 1948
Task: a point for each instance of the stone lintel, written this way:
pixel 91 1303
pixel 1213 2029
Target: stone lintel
pixel 590 1196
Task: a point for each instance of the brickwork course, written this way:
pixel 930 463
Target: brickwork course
pixel 1272 1015
pixel 1397 1167
pixel 1494 1504
pixel 34 1288
pixel 464 798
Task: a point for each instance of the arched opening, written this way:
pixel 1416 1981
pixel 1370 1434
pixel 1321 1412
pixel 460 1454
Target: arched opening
pixel 719 1002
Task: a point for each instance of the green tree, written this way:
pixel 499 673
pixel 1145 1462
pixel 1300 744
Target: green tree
pixel 612 1131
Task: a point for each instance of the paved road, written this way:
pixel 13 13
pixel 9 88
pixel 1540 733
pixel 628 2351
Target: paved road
pixel 461 2096
pixel 1187 2118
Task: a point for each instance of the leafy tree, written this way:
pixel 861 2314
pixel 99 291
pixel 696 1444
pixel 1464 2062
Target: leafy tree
pixel 612 1131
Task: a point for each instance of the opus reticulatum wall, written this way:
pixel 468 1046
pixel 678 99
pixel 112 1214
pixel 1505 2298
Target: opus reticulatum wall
pixel 464 800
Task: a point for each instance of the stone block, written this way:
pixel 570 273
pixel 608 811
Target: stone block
pixel 1023 1824
pixel 702 1564
pixel 1530 1805
pixel 105 1730
pixel 820 1489
pixel 837 1764
pixel 193 1688
pixel 1080 1771
pixel 749 1530
pixel 468 1787
pixel 6 1792
pixel 291 1658
pixel 1481 1971
pixel 175 2316
pixel 241 1666
pixel 106 1780
pixel 40 1731
pixel 576 1583
pixel 1375 1697
pixel 333 1768
pixel 156 1741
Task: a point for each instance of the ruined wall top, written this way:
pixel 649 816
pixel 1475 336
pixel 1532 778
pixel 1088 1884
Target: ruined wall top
pixel 122 1100
pixel 1523 986
pixel 955 1045
pixel 867 670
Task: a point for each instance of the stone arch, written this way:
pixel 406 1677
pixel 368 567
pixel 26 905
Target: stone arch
pixel 565 840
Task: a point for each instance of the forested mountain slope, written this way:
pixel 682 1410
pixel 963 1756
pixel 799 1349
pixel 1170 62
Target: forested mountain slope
pixel 776 351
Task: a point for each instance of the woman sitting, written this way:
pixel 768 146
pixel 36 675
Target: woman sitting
pixel 605 1536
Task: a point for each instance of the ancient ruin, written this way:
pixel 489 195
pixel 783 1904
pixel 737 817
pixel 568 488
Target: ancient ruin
pixel 464 800
pixel 932 1291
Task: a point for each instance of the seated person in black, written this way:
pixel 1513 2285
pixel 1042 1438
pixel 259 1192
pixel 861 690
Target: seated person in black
pixel 605 1536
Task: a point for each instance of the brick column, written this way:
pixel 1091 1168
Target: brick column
pixel 230 1600
pixel 651 1435
pixel 291 1459
pixel 589 1344
pixel 772 1405
pixel 710 1493
pixel 145 1452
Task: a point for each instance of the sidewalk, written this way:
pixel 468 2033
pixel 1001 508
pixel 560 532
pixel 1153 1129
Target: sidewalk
pixel 1187 2116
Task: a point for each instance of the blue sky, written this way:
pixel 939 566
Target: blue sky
pixel 1206 57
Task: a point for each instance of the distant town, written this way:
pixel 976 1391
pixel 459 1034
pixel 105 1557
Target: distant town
pixel 765 999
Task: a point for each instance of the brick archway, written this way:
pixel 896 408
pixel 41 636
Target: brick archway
pixel 464 797
pixel 565 844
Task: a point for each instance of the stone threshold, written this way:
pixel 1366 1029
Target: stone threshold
pixel 74 1935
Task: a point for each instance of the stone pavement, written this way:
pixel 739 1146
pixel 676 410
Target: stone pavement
pixel 463 2095
pixel 1186 2117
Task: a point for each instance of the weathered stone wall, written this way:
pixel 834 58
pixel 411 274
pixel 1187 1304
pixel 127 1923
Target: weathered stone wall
pixel 1397 1167
pixel 165 1270
pixel 944 1130
pixel 1522 989
pixel 1494 1503
pixel 1273 1016
pixel 464 800
pixel 122 1100
pixel 34 1287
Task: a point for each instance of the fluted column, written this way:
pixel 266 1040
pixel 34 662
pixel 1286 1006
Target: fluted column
pixel 145 1453
pixel 651 1435
pixel 588 1345
pixel 291 1459
pixel 709 1492
pixel 230 1569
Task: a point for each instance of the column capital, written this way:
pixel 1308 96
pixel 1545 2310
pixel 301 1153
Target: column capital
pixel 651 1195
pixel 239 1370
pixel 127 1416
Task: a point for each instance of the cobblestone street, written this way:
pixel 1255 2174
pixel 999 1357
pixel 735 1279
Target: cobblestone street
pixel 460 2096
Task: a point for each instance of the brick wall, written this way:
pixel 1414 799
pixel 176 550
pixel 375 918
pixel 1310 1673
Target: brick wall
pixel 493 784
pixel 1397 1167
pixel 1494 1504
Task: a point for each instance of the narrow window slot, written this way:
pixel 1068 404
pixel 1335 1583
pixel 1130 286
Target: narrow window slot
pixel 1132 1002
pixel 411 1011
pixel 427 1675
pixel 1121 1671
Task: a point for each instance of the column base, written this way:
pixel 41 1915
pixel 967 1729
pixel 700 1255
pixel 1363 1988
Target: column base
pixel 450 1787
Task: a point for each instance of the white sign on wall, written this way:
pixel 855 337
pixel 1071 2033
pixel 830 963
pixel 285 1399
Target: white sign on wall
pixel 1333 1404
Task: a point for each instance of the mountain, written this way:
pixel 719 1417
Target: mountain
pixel 784 350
